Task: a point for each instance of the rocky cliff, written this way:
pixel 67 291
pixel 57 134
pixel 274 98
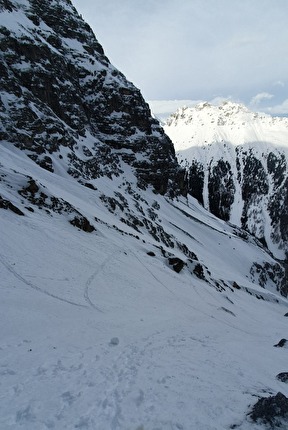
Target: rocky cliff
pixel 63 102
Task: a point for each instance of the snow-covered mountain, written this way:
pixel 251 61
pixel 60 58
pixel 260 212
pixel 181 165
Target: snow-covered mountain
pixel 124 303
pixel 236 162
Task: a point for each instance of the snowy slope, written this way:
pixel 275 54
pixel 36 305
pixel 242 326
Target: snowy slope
pixel 124 305
pixel 248 151
pixel 98 334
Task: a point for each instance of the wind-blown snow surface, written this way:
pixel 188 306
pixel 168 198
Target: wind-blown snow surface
pixel 97 334
pixel 241 158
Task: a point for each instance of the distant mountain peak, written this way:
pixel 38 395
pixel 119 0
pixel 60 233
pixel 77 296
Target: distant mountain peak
pixel 226 113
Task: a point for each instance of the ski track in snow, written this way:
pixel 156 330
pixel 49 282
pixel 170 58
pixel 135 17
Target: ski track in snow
pixel 91 279
pixel 35 287
pixel 164 374
pixel 154 276
pixel 183 303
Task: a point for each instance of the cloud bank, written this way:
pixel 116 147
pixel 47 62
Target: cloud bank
pixel 194 49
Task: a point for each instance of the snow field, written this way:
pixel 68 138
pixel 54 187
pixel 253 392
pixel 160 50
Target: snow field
pixel 97 334
pixel 188 356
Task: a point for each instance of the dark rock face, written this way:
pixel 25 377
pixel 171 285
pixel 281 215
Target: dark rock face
pixel 258 183
pixel 281 343
pixel 6 204
pixel 263 274
pixel 221 189
pixel 283 376
pixel 272 410
pixel 83 224
pixel 6 4
pixel 61 99
pixel 176 263
pixel 254 186
pixel 278 210
pixel 253 176
pixel 196 180
pixel 199 272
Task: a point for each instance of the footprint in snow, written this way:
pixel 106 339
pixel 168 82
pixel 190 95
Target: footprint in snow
pixel 114 341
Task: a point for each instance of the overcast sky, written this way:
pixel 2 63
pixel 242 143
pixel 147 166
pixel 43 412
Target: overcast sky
pixel 197 49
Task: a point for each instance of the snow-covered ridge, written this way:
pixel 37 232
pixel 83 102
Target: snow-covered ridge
pixel 229 122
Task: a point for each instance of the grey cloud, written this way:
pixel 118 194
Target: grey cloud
pixel 194 49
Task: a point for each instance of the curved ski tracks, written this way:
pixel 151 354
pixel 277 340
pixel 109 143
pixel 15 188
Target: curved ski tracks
pixel 35 287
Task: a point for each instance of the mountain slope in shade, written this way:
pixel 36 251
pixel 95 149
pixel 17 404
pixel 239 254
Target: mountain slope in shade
pixel 125 305
pixel 237 166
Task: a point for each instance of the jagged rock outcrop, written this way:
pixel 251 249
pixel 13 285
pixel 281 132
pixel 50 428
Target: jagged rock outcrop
pixel 63 102
pixel 236 163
